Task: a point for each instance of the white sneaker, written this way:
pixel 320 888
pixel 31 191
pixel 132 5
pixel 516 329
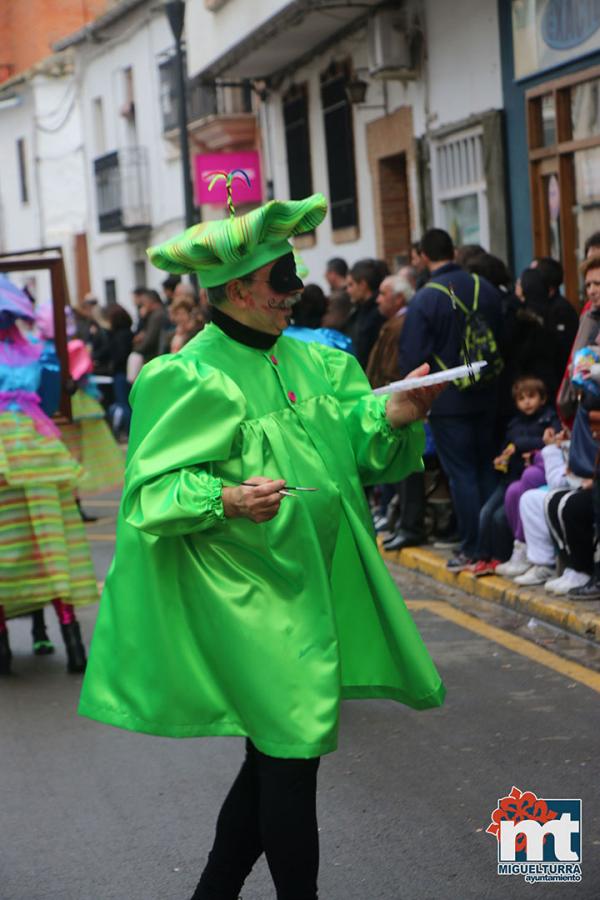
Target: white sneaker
pixel 517 564
pixel 570 578
pixel 555 582
pixel 535 575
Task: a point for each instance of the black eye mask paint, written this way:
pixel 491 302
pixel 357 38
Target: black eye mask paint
pixel 283 277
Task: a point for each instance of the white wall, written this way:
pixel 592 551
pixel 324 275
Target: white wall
pixel 216 32
pixel 463 51
pixel 22 226
pixel 60 166
pixel 139 43
pixel 47 118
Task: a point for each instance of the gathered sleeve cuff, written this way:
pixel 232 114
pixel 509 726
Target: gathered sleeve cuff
pixel 168 506
pixel 383 454
pixel 186 417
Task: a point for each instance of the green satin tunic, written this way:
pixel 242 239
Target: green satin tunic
pixel 216 626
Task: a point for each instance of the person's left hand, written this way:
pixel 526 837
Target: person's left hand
pixel 405 407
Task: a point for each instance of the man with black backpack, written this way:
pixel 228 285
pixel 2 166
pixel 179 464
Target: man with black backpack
pixel 456 317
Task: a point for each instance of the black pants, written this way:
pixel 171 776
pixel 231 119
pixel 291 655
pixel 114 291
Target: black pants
pixel 412 504
pixel 270 808
pixel 571 521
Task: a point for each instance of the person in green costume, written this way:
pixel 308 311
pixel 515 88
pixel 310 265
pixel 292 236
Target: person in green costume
pixel 237 602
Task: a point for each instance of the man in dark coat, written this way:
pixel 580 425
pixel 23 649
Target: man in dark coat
pixel 152 313
pixel 395 292
pixel 562 317
pixel 365 319
pixel 462 421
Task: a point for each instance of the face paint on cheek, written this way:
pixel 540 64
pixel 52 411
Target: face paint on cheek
pixel 286 304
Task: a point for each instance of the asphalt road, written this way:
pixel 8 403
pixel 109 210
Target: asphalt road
pixel 92 813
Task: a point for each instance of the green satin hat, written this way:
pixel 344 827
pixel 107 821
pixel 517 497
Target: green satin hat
pixel 220 251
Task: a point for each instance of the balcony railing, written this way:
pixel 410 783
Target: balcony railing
pixel 201 98
pixel 122 189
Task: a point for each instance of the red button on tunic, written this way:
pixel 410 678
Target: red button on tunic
pixel 292 396
pixel 274 360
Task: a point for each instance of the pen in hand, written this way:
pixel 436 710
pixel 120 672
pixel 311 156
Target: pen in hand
pixel 286 490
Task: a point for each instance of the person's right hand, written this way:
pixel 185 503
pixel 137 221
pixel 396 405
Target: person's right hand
pixel 552 437
pixel 258 502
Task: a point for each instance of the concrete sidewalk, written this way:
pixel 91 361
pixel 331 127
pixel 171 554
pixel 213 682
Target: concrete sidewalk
pixel 579 618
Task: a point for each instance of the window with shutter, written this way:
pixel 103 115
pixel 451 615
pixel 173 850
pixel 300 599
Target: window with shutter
pixel 297 141
pixel 339 140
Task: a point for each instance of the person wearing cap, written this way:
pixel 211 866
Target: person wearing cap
pixel 44 554
pixel 247 595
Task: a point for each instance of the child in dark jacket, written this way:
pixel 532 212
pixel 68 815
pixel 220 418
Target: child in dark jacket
pixel 521 465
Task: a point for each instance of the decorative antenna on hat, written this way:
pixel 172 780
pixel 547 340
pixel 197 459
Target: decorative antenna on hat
pixel 229 178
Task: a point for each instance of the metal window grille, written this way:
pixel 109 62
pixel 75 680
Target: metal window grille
pixel 458 176
pixel 459 163
pixel 201 98
pixel 122 189
pixel 110 291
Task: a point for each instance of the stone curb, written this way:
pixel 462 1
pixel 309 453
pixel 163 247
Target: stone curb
pixel 582 619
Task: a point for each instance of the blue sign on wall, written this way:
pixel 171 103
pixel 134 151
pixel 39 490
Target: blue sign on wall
pixel 569 23
pixel 551 33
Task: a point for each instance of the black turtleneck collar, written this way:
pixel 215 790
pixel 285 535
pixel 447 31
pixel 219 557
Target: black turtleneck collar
pixel 243 334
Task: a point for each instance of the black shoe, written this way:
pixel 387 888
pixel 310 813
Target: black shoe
pixel 5 654
pixel 42 645
pixel 85 517
pixel 403 539
pixel 588 591
pixel 459 562
pixel 76 658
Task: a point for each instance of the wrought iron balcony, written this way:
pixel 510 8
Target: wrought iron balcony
pixel 122 189
pixel 220 113
pixel 201 98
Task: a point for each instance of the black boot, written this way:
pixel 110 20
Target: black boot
pixel 76 658
pixel 42 645
pixel 85 517
pixel 5 654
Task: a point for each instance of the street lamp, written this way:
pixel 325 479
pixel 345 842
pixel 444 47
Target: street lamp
pixel 175 10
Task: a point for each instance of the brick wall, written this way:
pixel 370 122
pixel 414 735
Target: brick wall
pixel 28 28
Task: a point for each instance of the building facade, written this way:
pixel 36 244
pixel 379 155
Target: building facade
pixel 551 86
pixel 29 29
pixel 43 199
pixel 133 168
pixel 399 124
pixel 481 116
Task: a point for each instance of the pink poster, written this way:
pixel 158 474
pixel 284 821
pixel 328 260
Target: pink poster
pixel 206 165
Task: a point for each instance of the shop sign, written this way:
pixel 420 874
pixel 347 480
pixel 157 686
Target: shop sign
pixel 206 165
pixel 550 33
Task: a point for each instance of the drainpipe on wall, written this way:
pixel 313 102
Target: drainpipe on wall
pixel 267 149
pixel 37 165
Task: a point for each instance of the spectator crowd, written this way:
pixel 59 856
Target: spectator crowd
pixel 510 483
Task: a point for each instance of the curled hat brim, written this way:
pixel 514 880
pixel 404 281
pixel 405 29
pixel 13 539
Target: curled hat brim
pixel 220 251
pixel 14 301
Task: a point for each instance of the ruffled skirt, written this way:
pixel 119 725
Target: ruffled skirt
pixel 90 441
pixel 44 552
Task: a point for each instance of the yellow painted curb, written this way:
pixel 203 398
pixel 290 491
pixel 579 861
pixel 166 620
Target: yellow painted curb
pixel 569 616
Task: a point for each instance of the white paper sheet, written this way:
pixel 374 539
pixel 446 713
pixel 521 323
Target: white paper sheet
pixel 408 384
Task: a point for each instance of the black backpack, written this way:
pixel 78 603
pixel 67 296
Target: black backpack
pixel 478 343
